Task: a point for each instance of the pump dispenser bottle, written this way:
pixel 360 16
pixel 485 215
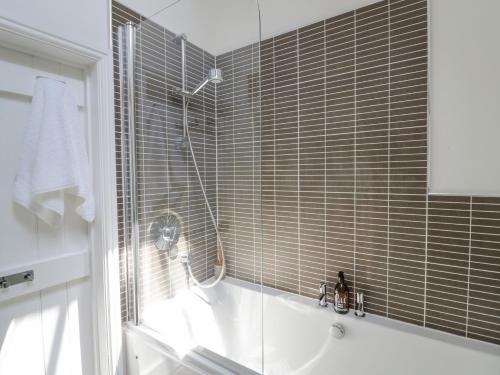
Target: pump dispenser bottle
pixel 341 295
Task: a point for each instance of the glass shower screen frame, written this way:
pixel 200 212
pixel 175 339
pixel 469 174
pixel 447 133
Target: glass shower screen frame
pixel 159 174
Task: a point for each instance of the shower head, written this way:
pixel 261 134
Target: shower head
pixel 214 76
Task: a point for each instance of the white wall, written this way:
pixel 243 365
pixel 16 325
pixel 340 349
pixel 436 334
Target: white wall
pixel 85 22
pixel 220 26
pixel 49 331
pixel 465 97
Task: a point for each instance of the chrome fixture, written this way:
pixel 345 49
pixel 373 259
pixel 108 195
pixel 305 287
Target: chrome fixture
pixel 337 330
pixel 16 278
pixel 185 259
pixel 359 304
pixel 214 76
pixel 165 231
pixel 181 40
pixel 322 295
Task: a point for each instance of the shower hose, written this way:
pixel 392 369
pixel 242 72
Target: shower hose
pixel 219 239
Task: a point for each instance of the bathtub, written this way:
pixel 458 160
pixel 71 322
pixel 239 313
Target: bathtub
pixel 220 331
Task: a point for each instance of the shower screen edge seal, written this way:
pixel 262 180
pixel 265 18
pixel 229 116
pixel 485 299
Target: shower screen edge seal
pixel 130 35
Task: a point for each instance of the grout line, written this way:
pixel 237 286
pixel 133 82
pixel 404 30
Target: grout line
pixel 252 91
pixel 167 157
pixel 388 235
pixel 187 157
pixel 468 269
pixel 426 255
pixel 234 170
pixel 274 162
pixel 355 154
pixel 298 159
pixel 324 160
pixel 252 126
pixel 428 159
pixel 204 168
pixel 216 131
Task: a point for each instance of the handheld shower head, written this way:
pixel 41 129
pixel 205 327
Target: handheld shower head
pixel 214 76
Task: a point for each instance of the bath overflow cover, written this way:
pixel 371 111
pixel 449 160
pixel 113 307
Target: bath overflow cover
pixel 337 330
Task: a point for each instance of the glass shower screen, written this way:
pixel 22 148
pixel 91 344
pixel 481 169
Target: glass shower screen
pixel 191 138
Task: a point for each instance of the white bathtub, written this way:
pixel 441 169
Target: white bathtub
pixel 219 331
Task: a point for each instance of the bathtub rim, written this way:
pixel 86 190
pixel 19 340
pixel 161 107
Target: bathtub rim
pixel 398 325
pixel 202 359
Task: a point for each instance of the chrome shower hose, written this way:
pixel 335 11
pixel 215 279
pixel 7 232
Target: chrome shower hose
pixel 219 239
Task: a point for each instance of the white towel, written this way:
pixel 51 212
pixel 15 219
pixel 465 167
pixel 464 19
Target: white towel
pixel 54 160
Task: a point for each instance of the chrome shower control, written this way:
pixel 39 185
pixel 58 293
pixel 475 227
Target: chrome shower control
pixel 165 231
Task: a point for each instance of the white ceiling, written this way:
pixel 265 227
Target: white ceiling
pixel 219 26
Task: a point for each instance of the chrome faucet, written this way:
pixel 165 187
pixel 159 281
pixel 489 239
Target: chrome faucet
pixel 322 295
pixel 359 309
pixel 185 260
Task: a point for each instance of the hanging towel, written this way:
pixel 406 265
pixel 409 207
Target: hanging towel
pixel 54 160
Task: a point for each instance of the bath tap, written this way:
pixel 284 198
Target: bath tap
pixel 322 295
pixel 185 260
pixel 359 309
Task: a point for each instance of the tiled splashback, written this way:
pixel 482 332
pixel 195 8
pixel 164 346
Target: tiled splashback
pixel 343 153
pixel 238 162
pixel 463 266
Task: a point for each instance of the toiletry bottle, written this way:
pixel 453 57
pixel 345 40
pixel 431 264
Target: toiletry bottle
pixel 341 295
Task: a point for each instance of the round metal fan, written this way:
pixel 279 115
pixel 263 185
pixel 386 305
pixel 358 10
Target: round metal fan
pixel 165 231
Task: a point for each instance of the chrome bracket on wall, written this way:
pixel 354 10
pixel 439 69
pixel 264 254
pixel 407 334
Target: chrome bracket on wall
pixel 16 278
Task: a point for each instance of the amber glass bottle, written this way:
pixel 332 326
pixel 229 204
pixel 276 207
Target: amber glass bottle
pixel 341 295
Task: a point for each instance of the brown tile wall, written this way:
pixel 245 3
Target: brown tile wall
pixel 483 305
pixel 238 161
pixel 166 176
pixel 343 153
pixel 321 166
